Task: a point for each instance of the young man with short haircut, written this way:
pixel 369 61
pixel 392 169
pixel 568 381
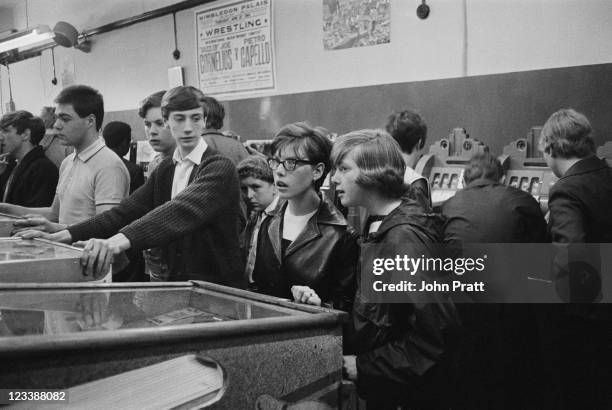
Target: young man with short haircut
pixel 580 222
pixel 231 148
pixel 258 189
pixel 118 137
pixel 33 181
pixel 92 179
pixel 410 131
pixel 158 135
pixel 257 183
pixel 579 201
pixel 188 207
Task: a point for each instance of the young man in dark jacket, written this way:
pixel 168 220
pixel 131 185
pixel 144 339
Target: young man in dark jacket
pixel 580 221
pixel 189 207
pixel 33 181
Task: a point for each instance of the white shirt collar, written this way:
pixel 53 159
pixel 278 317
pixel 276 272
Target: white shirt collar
pixel 272 206
pixel 194 156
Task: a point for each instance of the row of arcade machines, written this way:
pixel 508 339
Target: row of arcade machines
pixel 159 345
pixel 524 165
pixel 444 165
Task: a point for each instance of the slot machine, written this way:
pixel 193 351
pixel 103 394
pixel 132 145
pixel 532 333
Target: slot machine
pixel 443 165
pixel 526 168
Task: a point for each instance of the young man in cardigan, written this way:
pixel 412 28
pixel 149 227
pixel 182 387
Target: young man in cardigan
pixel 188 207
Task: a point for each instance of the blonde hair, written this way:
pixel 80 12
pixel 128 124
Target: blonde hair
pixel 567 134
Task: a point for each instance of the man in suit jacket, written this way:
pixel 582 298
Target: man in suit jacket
pixel 579 202
pixel 33 180
pixel 580 219
pixel 487 211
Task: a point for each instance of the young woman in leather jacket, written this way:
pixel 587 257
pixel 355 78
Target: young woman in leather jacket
pixel 305 241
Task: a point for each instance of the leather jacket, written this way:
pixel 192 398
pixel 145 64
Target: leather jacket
pixel 399 346
pixel 323 257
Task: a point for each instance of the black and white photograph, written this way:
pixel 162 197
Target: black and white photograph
pixel 306 204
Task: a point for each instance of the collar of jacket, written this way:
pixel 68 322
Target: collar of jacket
pixel 482 182
pixel 588 164
pixel 31 156
pixel 20 167
pixel 409 212
pixel 327 214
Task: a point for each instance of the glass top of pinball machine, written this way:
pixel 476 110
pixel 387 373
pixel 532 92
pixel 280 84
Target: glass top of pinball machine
pixel 63 311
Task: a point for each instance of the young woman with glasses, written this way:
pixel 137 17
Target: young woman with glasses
pixel 305 242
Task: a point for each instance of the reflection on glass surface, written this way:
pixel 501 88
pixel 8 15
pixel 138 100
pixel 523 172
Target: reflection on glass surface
pixel 60 312
pixel 15 249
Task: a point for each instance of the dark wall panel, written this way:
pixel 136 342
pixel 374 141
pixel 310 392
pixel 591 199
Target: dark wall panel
pixel 496 109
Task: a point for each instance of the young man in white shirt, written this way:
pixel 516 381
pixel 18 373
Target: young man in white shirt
pixel 92 179
pixel 189 208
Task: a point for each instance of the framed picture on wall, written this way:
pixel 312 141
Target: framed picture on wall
pixel 356 23
pixel 235 50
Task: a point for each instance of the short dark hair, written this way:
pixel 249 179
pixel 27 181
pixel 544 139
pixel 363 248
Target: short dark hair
pixel 483 165
pixel 24 120
pixel 567 134
pixel 19 119
pixel 309 142
pixel 85 100
pixel 408 129
pixel 181 98
pixel 255 166
pixel 116 132
pixel 152 101
pixel 214 112
pixel 37 130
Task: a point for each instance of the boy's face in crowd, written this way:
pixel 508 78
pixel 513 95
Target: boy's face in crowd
pixel 158 135
pixel 186 128
pixel 345 178
pixel 10 139
pixel 259 193
pixel 71 129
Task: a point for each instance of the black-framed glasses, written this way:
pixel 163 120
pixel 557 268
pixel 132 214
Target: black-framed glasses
pixel 290 163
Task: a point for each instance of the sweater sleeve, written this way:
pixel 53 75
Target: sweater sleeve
pixel 108 223
pixel 213 192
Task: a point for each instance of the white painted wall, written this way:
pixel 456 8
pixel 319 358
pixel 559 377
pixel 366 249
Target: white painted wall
pixel 502 36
